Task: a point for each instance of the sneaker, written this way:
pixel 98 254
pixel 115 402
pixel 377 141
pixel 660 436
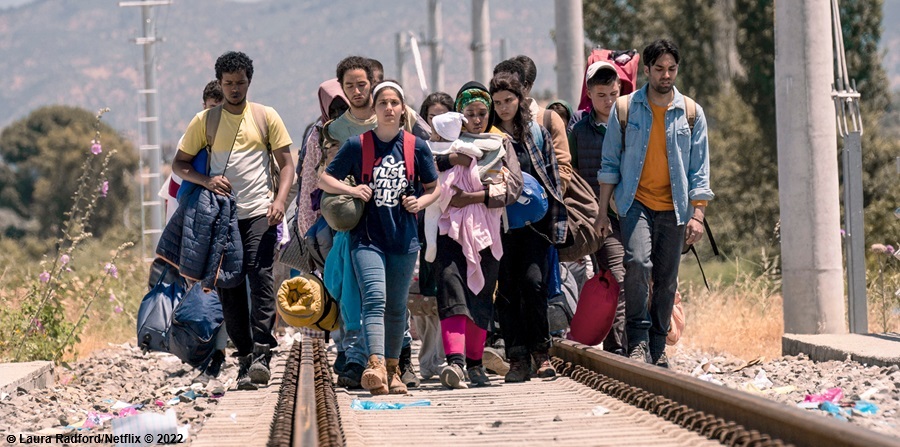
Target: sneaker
pixel 493 361
pixel 340 362
pixel 351 376
pixel 543 368
pixel 407 371
pixel 452 377
pixel 259 368
pixel 243 379
pixel 519 369
pixel 662 361
pixel 639 353
pixel 478 376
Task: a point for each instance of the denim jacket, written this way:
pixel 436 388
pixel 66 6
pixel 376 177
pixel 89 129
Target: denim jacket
pixel 688 154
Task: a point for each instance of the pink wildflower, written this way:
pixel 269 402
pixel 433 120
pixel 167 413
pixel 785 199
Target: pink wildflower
pixel 64 259
pixel 44 277
pixel 104 188
pixel 95 147
pixel 118 309
pixel 37 324
pixel 111 270
pixel 112 297
pixel 889 249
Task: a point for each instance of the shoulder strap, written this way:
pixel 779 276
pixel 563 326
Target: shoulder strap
pixel 690 109
pixel 622 104
pixel 409 155
pixel 262 123
pixel 368 156
pixel 212 124
pixel 547 118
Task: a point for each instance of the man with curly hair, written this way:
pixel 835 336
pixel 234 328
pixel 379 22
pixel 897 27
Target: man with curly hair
pixel 239 167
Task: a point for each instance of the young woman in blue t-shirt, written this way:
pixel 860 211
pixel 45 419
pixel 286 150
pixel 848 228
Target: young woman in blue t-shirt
pixel 386 238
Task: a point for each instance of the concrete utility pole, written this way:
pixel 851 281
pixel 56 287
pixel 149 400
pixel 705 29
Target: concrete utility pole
pixel 401 49
pixel 152 209
pixel 436 43
pixel 812 283
pixel 481 42
pixel 569 50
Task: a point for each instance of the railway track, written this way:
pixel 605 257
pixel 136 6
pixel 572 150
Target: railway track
pixel 597 399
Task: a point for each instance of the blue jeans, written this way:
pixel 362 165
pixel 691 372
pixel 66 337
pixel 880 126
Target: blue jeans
pixel 653 242
pixel 384 313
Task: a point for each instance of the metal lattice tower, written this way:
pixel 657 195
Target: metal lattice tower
pixel 152 207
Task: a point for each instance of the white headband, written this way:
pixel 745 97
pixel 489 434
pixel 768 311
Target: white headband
pixel 390 84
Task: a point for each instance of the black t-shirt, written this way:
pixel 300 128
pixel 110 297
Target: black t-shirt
pixel 386 225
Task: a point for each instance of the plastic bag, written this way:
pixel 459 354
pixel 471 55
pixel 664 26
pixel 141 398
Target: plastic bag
pixel 373 405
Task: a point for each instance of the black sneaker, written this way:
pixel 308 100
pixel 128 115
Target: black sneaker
pixel 340 362
pixel 407 371
pixel 243 378
pixel 640 353
pixel 478 376
pixel 259 367
pixel 351 376
pixel 662 361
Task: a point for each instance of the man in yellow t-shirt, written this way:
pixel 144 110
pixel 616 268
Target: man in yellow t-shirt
pixel 239 165
pixel 659 172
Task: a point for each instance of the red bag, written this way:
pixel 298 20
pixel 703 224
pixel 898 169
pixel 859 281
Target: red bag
pixel 596 309
pixel 627 65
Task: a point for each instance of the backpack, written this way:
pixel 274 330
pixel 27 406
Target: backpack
pixel 690 110
pixel 202 159
pixel 343 211
pixel 627 65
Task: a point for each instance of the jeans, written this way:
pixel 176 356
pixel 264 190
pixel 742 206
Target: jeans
pixel 522 292
pixel 250 320
pixel 653 242
pixel 384 313
pixel 611 257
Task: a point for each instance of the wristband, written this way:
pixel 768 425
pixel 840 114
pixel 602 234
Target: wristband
pixel 695 218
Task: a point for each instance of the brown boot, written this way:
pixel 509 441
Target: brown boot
pixel 395 383
pixel 374 378
pixel 544 368
pixel 519 366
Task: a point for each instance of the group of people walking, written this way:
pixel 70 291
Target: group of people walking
pixel 437 189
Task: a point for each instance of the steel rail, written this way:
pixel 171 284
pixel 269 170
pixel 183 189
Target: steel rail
pixel 306 428
pixel 778 421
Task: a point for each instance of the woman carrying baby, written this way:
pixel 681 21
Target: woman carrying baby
pixel 482 175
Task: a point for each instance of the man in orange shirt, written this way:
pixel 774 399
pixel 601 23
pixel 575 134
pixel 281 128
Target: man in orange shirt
pixel 659 172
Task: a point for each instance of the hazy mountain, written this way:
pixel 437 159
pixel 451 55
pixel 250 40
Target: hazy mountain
pixel 79 52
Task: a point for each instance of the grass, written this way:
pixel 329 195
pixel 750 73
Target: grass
pixel 742 313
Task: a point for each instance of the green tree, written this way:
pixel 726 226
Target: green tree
pixel 622 25
pixel 42 159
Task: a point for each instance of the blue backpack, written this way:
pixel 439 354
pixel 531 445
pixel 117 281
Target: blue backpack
pixel 530 207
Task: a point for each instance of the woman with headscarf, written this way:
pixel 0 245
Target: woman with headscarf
pixel 332 104
pixel 465 309
pixel 522 296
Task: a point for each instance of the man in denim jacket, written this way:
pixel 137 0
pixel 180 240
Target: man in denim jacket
pixel 659 172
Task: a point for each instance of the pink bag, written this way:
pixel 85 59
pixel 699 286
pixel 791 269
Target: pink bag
pixel 596 309
pixel 676 326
